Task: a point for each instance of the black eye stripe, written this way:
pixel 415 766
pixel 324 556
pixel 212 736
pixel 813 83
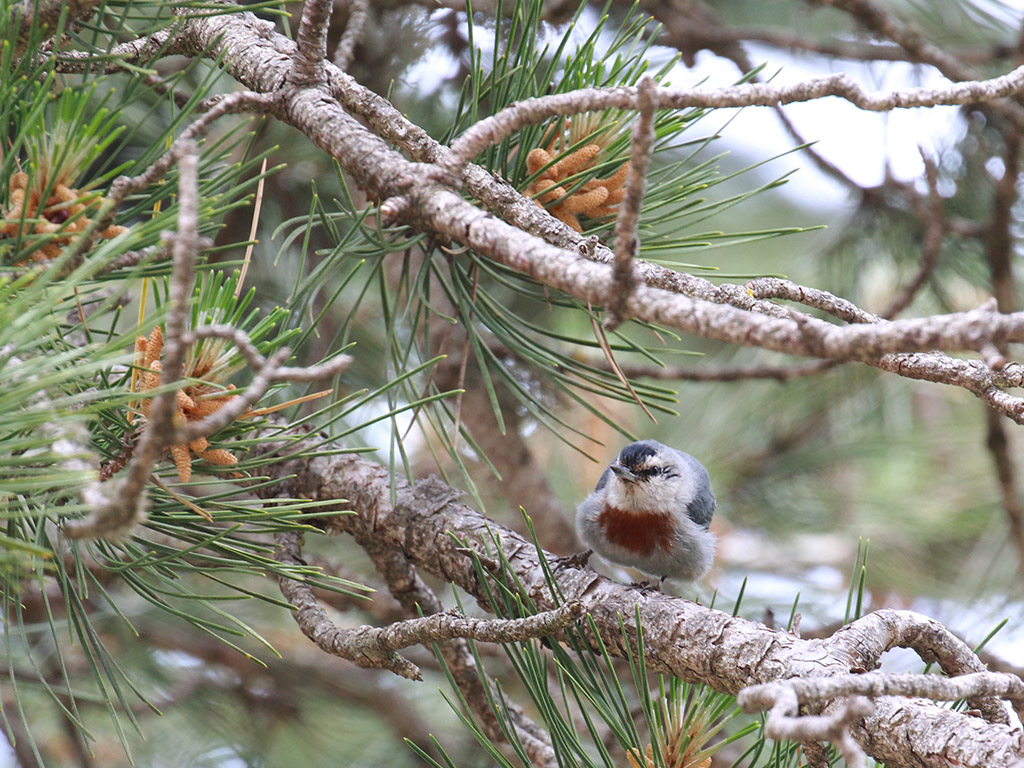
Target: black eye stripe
pixel 651 471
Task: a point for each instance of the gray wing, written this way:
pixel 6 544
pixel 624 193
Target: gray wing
pixel 702 507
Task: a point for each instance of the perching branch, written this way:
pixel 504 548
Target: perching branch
pixel 427 526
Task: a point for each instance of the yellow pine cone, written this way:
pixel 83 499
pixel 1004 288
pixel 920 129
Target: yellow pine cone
pixel 593 199
pixel 192 404
pixel 49 216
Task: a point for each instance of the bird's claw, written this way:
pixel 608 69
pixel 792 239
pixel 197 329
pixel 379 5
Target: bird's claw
pixel 646 586
pixel 578 560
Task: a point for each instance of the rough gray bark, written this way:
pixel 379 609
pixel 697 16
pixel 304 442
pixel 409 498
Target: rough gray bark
pixel 697 644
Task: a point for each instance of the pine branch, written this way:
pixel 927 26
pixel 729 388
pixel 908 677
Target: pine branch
pixel 425 525
pixel 445 213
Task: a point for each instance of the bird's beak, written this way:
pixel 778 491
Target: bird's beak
pixel 622 473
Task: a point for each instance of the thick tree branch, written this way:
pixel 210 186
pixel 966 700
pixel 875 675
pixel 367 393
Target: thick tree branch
pixel 432 530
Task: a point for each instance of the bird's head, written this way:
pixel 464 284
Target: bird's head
pixel 645 476
pixel 644 462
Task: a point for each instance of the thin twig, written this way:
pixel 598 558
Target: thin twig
pixel 358 11
pixel 268 371
pixel 159 85
pixel 376 647
pixel 999 251
pixel 702 25
pixel 934 215
pixel 491 130
pixel 308 60
pixel 118 59
pixel 124 504
pixel 123 186
pixel 253 228
pixel 613 364
pixel 627 238
pixel 778 288
pixel 878 19
pixel 678 373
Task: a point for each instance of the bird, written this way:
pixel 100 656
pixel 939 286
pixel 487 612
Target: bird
pixel 651 511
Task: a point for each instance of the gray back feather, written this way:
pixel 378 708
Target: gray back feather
pixel 703 505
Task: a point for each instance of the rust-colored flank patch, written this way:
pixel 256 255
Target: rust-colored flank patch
pixel 640 532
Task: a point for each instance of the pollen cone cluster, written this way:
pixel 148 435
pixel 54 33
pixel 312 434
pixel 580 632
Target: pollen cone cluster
pixel 49 216
pixel 649 761
pixel 192 403
pixel 683 738
pixel 551 189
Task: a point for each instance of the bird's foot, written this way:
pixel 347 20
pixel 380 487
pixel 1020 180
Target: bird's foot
pixel 579 560
pixel 647 586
